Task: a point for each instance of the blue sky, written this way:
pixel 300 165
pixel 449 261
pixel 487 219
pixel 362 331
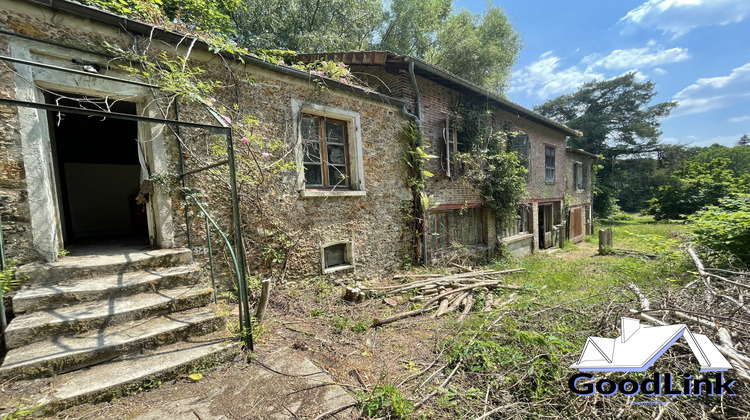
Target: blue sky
pixel 697 52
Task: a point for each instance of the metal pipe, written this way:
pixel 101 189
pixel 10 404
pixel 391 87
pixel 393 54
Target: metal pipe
pixel 183 175
pixel 210 258
pixel 239 241
pixel 418 115
pixel 207 167
pixel 114 115
pixel 79 72
pixel 3 321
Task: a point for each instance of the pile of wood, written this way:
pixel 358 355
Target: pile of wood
pixel 713 303
pixel 445 293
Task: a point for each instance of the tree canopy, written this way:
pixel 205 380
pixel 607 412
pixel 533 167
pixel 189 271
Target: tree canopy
pixel 482 48
pixel 618 120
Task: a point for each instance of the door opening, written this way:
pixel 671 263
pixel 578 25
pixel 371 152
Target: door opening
pixel 98 172
pixel 545 226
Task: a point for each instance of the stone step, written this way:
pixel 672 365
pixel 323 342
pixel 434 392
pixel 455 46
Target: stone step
pixel 106 262
pixel 43 324
pixel 67 353
pixel 131 373
pixel 66 293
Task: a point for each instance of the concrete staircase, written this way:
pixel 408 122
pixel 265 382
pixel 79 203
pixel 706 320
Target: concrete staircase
pixel 99 324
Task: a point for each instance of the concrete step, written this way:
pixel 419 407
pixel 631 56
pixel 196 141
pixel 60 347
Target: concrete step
pixel 43 324
pixel 67 353
pixel 106 262
pixel 71 292
pixel 132 373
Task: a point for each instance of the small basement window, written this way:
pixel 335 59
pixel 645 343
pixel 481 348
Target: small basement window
pixel 337 256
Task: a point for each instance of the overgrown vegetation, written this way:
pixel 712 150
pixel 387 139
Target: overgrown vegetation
pixel 497 173
pixel 725 228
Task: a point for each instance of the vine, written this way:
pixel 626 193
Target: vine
pixel 416 157
pixel 497 174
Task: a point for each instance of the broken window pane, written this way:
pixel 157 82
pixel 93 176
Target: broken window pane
pixel 313 175
pixel 334 132
pixel 336 154
pixel 310 129
pixel 337 175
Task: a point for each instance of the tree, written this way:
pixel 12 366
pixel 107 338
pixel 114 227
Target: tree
pixel 617 120
pixel 307 25
pixel 744 140
pixel 694 186
pixel 481 48
pixel 409 26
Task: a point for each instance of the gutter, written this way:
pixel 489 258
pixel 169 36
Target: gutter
pixel 177 38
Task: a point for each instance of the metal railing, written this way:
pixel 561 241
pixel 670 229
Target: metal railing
pixel 3 264
pixel 223 129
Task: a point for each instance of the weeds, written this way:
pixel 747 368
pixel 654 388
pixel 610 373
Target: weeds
pixel 386 401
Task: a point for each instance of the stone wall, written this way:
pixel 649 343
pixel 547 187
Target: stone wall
pixel 276 217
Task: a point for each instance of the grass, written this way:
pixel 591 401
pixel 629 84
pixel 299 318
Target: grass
pixel 577 271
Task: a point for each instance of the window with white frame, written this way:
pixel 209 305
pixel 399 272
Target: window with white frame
pixel 549 164
pixel 329 151
pixel 337 256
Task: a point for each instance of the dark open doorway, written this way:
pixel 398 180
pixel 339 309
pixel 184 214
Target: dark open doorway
pixel 545 225
pixel 98 172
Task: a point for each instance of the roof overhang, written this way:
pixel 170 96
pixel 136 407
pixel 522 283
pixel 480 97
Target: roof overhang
pixel 176 38
pixel 391 60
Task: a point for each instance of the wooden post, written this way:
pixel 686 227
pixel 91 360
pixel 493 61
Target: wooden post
pixel 605 240
pixel 263 303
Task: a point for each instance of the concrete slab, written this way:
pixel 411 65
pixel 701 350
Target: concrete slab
pixel 298 389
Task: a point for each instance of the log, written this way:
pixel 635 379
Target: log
pixel 442 308
pixel 488 303
pixel 457 301
pixel 265 291
pixel 427 306
pixel 468 304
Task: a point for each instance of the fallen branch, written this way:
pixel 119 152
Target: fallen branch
pixel 336 410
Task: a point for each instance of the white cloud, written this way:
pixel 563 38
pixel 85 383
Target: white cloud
pixel 715 92
pixel 739 119
pixel 639 57
pixel 660 71
pixel 543 79
pixel 678 17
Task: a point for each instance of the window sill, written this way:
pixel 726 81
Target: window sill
pixel 516 238
pixel 308 193
pixel 338 268
pixel 549 182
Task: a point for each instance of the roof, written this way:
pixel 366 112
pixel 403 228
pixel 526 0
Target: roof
pixel 581 152
pixel 639 346
pixel 179 38
pixel 438 75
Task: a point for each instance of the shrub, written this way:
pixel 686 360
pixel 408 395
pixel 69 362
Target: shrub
pixel 726 226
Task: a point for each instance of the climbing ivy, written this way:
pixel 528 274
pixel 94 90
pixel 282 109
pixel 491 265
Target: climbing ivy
pixel 496 173
pixel 416 157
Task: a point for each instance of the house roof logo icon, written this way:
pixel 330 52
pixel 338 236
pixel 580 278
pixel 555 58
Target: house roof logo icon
pixel 638 347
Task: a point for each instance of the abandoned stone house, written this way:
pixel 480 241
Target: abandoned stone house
pixel 135 182
pixel 459 217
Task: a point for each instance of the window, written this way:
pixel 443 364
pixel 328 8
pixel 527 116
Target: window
pixel 329 151
pixel 455 144
pixel 463 226
pixel 337 256
pixel 549 164
pixel 578 175
pixel 521 145
pixel 324 152
pixel 518 225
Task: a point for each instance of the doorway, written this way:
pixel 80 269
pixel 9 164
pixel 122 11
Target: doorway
pixel 545 226
pixel 98 172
